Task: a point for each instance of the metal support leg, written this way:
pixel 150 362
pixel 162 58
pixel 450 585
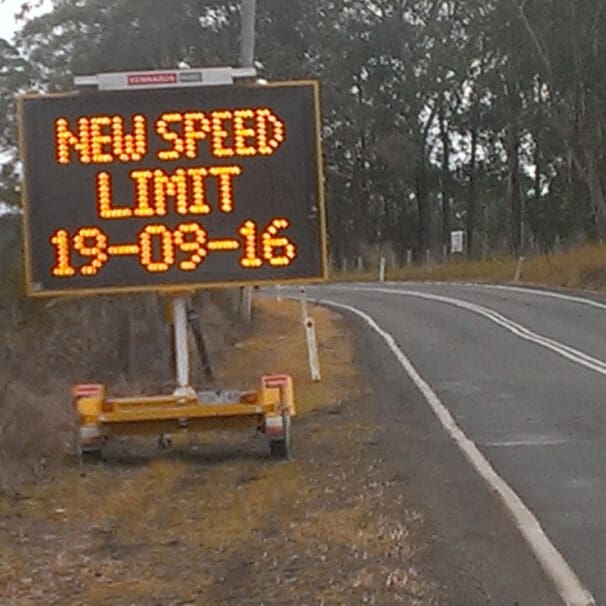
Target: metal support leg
pixel 181 347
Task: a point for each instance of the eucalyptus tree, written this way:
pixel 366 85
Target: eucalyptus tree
pixel 16 76
pixel 93 36
pixel 491 110
pixel 568 43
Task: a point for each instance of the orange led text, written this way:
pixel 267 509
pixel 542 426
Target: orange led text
pixel 185 189
pixel 227 133
pixel 158 248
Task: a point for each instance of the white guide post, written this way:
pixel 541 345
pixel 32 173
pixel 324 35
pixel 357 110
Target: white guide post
pixel 312 349
pixel 181 346
pixel 382 270
pixel 303 301
pixel 518 274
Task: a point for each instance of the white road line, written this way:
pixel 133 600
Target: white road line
pixel 538 292
pixel 543 293
pixel 568 585
pixel 570 353
pixel 518 443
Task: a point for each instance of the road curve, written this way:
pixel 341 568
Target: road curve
pixel 517 378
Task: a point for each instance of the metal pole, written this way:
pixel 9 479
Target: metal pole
pixel 247 59
pixel 246 299
pixel 247 40
pixel 194 322
pixel 181 348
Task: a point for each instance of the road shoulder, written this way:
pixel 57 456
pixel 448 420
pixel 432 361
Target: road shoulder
pixel 475 552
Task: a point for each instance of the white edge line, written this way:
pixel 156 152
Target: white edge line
pixel 555 566
pixel 574 355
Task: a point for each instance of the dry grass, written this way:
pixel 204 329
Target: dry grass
pixel 582 268
pixel 277 345
pixel 216 522
pixel 28 439
pixel 497 270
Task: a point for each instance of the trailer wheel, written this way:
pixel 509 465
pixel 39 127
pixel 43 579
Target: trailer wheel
pixel 88 456
pixel 164 441
pixel 281 448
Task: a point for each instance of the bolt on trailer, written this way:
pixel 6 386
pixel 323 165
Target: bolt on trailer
pixel 171 181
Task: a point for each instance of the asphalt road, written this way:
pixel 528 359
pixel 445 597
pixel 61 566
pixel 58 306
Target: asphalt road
pixel 513 391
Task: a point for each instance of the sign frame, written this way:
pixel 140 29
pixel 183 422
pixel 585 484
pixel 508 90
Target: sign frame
pixel 176 287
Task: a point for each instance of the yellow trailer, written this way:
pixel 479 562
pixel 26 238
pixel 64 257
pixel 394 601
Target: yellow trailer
pixel 268 410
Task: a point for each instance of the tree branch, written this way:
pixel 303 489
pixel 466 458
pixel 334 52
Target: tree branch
pixel 535 38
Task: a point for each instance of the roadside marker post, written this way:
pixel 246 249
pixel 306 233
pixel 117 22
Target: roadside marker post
pixel 312 350
pixel 382 270
pixel 518 273
pixel 310 337
pixel 303 302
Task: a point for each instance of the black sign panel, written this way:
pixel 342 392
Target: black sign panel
pixel 172 188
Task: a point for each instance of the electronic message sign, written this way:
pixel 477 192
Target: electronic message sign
pixel 166 189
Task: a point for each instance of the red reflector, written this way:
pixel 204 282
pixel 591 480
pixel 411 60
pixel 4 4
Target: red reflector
pixel 87 390
pixel 275 380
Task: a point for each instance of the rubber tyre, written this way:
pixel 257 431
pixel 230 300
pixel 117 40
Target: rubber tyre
pixel 89 457
pixel 282 448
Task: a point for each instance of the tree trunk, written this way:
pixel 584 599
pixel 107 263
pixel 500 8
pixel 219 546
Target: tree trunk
pixel 596 192
pixel 513 189
pixel 445 182
pixel 472 192
pixel 579 195
pixel 422 195
pixel 537 179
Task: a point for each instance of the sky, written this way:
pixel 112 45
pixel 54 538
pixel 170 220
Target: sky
pixel 8 8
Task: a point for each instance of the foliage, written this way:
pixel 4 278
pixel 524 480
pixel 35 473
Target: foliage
pixel 438 114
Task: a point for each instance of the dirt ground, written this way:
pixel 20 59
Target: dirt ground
pixel 214 520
